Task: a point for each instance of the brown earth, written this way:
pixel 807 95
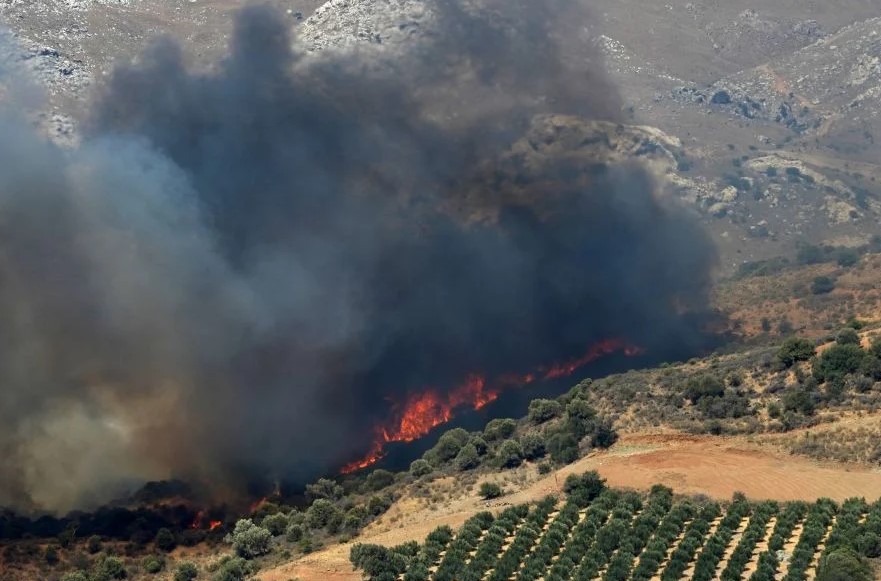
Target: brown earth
pixel 715 467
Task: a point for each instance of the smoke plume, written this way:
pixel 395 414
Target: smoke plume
pixel 236 269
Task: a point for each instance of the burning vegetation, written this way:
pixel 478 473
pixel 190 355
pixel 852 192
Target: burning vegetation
pixel 265 255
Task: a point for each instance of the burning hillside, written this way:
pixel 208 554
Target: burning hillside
pixel 425 410
pixel 236 271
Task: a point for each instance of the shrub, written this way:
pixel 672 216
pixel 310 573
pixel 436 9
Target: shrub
pixel 822 285
pixel 563 447
pixel 378 504
pixel 837 361
pixel 420 468
pixel 186 571
pixel 378 562
pixel 379 479
pixel 249 540
pixel 847 336
pixel 703 386
pixel 843 565
pixel 467 458
pixel 93 545
pixel 542 410
pixel 848 257
pixel 321 513
pixel 448 445
pixel 324 488
pixel 234 569
pixel 510 454
pixel 490 490
pixel 794 350
pixel 604 435
pixel 533 446
pixel 152 564
pixel 499 429
pixel 583 489
pixel 51 555
pixel 276 523
pixel 294 532
pixel 76 576
pixel 165 540
pixel 110 568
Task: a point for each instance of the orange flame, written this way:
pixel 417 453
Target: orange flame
pixel 424 411
pixel 200 518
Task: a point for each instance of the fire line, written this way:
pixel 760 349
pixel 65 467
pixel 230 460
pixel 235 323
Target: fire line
pixel 423 411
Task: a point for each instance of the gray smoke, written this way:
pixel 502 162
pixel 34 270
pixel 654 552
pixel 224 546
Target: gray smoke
pixel 236 269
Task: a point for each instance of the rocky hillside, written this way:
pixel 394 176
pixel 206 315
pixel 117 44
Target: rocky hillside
pixel 766 116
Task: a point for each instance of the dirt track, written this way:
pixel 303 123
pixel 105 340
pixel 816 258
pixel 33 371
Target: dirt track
pixel 690 465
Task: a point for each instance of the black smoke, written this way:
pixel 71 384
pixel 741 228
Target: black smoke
pixel 237 268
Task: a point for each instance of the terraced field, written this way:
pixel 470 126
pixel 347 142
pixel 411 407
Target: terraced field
pixel 622 535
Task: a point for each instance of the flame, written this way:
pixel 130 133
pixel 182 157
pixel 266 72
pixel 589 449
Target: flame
pixel 421 412
pixel 255 506
pixel 200 518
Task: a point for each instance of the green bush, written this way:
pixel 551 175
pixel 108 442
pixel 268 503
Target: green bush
pixel 490 490
pixel 420 468
pixel 499 429
pixel 153 564
pixel 794 350
pixel 93 545
pixel 533 446
pixel 165 540
pixel 843 565
pixel 324 488
pixel 467 458
pixel 703 386
pixel 563 447
pixel 822 285
pixel 234 569
pixel 109 568
pixel 847 336
pixel 447 447
pixel 509 454
pixel 276 523
pixel 249 540
pixel 186 571
pixel 837 361
pixel 76 576
pixel 379 479
pixel 542 410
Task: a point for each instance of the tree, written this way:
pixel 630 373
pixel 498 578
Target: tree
pixel 378 562
pixel 489 490
pixel 499 429
pixel 843 565
pixel 542 410
pixel 604 435
pixel 467 458
pixel 324 488
pixel 510 454
pixel 165 540
pixel 186 571
pixel 234 569
pixel 448 445
pixel 799 400
pixel 822 285
pixel 251 541
pixel 420 467
pixel 847 336
pixel 794 350
pixel 93 545
pixel 533 446
pixel 847 257
pixel 379 479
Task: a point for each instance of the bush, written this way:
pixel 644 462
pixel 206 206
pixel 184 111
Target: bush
pixel 153 564
pixel 294 532
pixel 165 540
pixel 533 446
pixel 848 257
pixel 467 458
pixel 186 571
pixel 447 447
pixel 847 336
pixel 321 513
pixel 76 576
pixel 822 285
pixel 234 569
pixel 93 545
pixel 378 562
pixel 585 488
pixel 379 479
pixel 490 490
pixel 542 410
pixel 604 435
pixel 110 568
pixel 378 504
pixel 324 488
pixel 837 361
pixel 420 468
pixel 843 565
pixel 510 454
pixel 703 386
pixel 794 350
pixel 249 540
pixel 563 447
pixel 499 429
pixel 276 523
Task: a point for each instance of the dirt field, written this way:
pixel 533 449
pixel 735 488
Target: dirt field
pixel 690 465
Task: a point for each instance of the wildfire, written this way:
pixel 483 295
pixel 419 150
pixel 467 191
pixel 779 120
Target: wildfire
pixel 424 411
pixel 199 519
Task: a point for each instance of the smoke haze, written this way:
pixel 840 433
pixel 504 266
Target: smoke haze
pixel 236 269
